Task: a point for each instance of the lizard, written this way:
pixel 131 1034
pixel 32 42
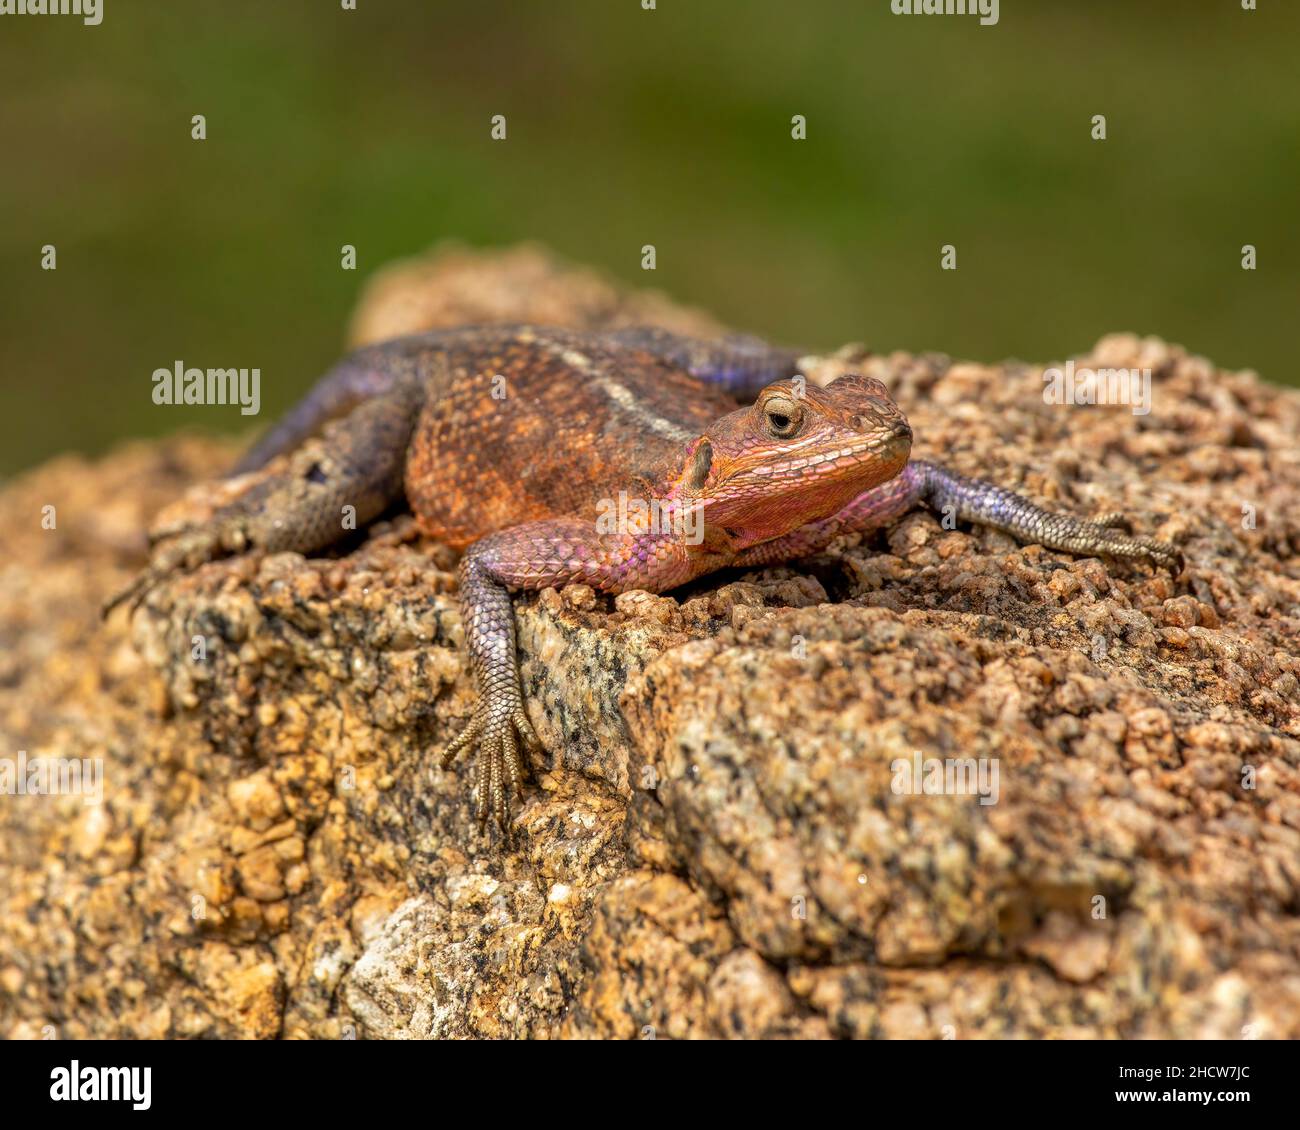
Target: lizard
pixel 510 443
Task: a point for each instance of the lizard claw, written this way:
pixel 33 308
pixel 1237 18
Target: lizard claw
pixel 1145 549
pixel 1162 553
pixel 131 595
pixel 158 570
pixel 181 553
pixel 503 735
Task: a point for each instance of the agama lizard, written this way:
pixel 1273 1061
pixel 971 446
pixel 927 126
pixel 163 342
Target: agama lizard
pixel 513 443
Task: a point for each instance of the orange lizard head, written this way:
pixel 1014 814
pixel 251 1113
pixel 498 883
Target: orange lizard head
pixel 801 453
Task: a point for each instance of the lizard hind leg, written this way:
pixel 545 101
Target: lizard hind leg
pixel 326 488
pixel 738 364
pixel 366 373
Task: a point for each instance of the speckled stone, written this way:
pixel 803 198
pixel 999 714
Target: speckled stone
pixel 715 848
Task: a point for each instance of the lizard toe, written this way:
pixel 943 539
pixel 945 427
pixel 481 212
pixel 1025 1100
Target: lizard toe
pixel 501 738
pixel 183 553
pixel 1159 553
pixel 532 744
pixel 466 737
pixel 1162 553
pixel 515 768
pixel 496 785
pixel 131 595
pixel 489 752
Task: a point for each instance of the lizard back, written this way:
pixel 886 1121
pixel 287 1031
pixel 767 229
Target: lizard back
pixel 523 425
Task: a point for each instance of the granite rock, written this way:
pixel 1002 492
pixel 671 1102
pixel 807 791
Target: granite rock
pixel 723 843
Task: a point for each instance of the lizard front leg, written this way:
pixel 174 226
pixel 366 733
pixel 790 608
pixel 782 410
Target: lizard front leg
pixel 974 500
pixel 970 500
pixel 535 555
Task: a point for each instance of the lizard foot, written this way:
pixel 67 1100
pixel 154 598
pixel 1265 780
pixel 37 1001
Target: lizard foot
pixel 195 546
pixel 1107 541
pixel 496 729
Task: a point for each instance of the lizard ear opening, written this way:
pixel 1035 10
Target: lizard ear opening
pixel 701 465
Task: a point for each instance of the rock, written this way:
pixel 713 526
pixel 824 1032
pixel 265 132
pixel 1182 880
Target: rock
pixel 724 843
pixel 455 286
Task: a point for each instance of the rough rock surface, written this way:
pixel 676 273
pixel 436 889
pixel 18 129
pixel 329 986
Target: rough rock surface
pixel 716 849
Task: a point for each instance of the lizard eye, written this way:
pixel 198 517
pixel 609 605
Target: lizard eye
pixel 783 417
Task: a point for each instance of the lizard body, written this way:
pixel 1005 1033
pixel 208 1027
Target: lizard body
pixel 617 459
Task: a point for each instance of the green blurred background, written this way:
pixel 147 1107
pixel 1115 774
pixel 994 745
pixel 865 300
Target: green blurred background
pixel 628 127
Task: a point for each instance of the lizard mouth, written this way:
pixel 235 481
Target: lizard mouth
pixel 880 446
pixel 900 432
